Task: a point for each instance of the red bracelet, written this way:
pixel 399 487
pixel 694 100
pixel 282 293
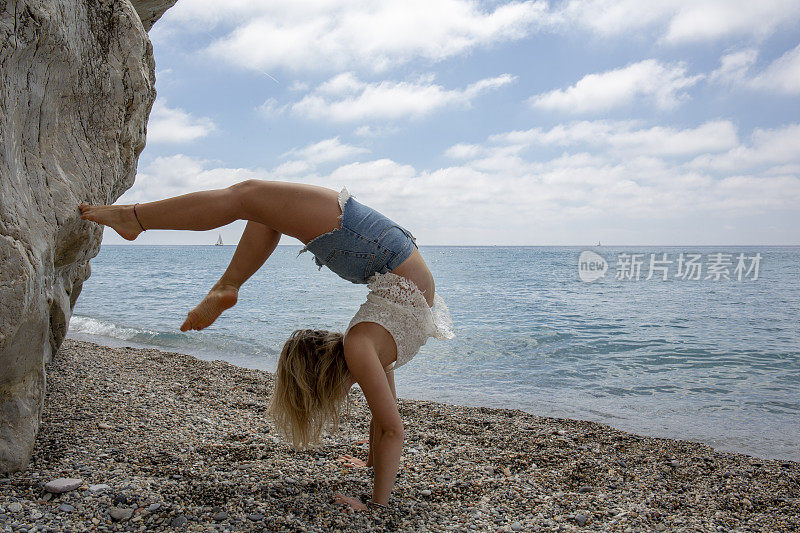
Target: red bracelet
pixel 137 217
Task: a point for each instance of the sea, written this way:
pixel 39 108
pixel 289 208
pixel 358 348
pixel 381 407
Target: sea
pixel 691 343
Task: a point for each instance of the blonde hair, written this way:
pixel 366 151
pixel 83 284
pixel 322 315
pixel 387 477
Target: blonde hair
pixel 310 386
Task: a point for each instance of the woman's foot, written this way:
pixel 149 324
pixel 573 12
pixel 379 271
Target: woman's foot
pixel 221 297
pixel 119 217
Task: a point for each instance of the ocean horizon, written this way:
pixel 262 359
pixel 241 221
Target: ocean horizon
pixel 714 359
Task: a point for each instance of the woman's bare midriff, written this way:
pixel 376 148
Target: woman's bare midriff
pixel 415 269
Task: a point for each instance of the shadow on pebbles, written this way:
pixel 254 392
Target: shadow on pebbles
pixel 144 440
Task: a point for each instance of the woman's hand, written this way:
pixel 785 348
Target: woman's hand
pixel 350 461
pixel 353 504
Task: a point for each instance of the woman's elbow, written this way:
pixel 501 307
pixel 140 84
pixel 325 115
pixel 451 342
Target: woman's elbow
pixel 392 431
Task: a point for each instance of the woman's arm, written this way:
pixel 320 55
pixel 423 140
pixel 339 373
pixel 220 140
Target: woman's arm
pixel 390 379
pixel 387 441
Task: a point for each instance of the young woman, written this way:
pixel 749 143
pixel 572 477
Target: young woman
pixel 316 368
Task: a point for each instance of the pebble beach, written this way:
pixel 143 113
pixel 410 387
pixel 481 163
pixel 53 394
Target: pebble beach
pixel 145 440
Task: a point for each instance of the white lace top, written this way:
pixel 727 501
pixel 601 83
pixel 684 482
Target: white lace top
pixel 397 304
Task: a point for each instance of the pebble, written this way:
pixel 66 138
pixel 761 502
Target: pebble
pixel 220 516
pixel 98 487
pixel 36 514
pixel 14 507
pixel 66 508
pixel 120 513
pixel 241 465
pixel 103 425
pixel 63 484
pixel 746 502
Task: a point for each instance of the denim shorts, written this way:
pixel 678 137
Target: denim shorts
pixel 365 243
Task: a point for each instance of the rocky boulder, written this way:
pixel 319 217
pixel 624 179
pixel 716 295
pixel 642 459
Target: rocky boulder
pixel 76 87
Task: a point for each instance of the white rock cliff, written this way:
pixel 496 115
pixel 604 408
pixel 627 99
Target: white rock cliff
pixel 76 87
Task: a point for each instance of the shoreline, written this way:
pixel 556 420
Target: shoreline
pixel 185 442
pixel 623 422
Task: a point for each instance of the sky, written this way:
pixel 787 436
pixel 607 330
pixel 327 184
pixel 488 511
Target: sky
pixel 490 122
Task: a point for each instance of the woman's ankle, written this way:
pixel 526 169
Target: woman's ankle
pixel 227 285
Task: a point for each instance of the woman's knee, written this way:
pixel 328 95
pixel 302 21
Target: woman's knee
pixel 244 192
pixel 243 188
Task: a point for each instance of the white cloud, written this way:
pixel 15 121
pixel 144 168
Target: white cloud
pixel 384 173
pixel 634 172
pixel 780 76
pixel 768 147
pixel 463 151
pixel 628 139
pixel 758 192
pixel 372 131
pixel 298 86
pixel 345 98
pixel 304 161
pixel 713 19
pixel 293 167
pixel 680 21
pixel 663 84
pixel 271 108
pixel 369 34
pixel 783 75
pixel 734 67
pixel 173 125
pixel 375 35
pixel 325 151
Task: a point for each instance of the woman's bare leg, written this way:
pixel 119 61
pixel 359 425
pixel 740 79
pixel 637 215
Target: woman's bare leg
pixel 198 211
pixel 256 245
pixel 299 210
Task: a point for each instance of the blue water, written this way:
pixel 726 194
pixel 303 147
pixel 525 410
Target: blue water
pixel 704 360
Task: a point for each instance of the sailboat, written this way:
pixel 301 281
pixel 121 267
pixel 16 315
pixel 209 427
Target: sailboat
pixel 219 240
